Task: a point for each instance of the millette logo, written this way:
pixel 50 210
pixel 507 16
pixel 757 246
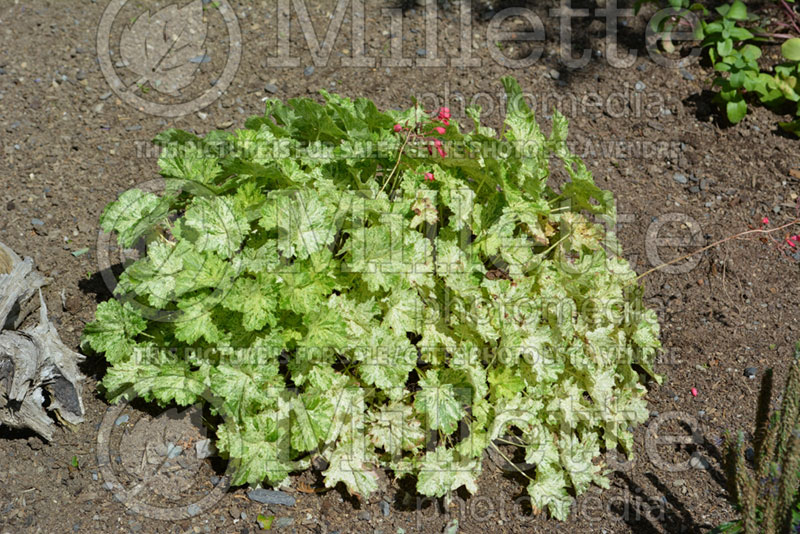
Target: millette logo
pixel 171 61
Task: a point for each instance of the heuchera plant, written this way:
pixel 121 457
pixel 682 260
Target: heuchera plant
pixel 382 290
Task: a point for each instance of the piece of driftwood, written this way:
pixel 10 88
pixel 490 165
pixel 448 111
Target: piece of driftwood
pixel 38 373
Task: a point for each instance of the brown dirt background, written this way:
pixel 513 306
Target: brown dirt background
pixel 68 148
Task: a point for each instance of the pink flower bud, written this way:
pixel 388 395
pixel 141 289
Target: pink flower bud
pixel 440 130
pixel 446 122
pixel 398 128
pixel 765 220
pixel 790 241
pixel 437 143
pixel 442 153
pixel 694 392
pixel 429 176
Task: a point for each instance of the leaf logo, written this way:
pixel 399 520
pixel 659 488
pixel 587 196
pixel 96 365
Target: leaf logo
pixel 160 47
pixel 146 451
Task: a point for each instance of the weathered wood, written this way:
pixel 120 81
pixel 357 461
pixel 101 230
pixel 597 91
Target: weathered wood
pixel 35 366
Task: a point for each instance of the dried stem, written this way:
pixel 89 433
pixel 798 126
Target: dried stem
pixel 718 243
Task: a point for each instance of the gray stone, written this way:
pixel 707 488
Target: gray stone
pixel 750 372
pixel 680 178
pixel 640 86
pixel 271 497
pixel 385 509
pixel 554 74
pixel 698 462
pixel 122 419
pixel 271 88
pixel 283 522
pixel 308 71
pixel 421 52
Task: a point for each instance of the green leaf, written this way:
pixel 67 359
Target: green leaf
pixel 438 401
pixel 311 421
pixel 114 329
pixel 258 448
pixel 395 429
pixel 736 110
pixel 725 47
pixel 215 224
pixel 549 490
pixel 133 215
pixel 256 299
pixel 444 471
pixel 188 162
pixel 790 49
pixel 265 522
pixel 737 11
pixel 505 383
pixel 351 464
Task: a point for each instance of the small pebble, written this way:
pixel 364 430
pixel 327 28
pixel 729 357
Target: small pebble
pixel 640 86
pixel 750 454
pixel 385 510
pixel 271 88
pixel 105 96
pixel 421 52
pixel 687 75
pixel 554 74
pixel 308 71
pixel 642 67
pixel 193 509
pixel 80 75
pixel 283 522
pixel 364 515
pixel 698 462
pixel 205 58
pixel 680 178
pixel 37 222
pixel 750 372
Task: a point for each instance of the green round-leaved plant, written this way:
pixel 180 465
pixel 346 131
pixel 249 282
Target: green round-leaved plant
pixel 357 285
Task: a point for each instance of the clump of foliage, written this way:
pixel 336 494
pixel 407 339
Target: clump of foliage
pixel 768 494
pixel 732 39
pixel 382 290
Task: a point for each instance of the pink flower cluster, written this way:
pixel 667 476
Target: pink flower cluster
pixel 439 127
pixel 792 240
